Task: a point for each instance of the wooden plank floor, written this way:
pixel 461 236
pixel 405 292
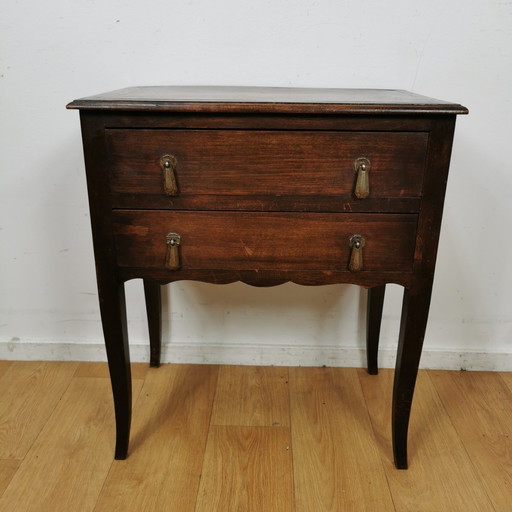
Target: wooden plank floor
pixel 254 439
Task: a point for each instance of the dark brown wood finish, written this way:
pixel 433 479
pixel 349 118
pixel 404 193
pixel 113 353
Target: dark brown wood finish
pixel 153 297
pixel 373 321
pixel 264 241
pixel 276 163
pixel 221 99
pixel 266 193
pixel 111 292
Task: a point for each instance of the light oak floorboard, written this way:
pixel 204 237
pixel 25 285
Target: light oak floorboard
pixel 168 441
pixel 507 378
pixel 100 370
pixel 252 396
pixel 480 407
pixel 66 467
pixel 335 459
pixel 440 475
pixel 247 469
pixel 4 366
pixel 339 455
pixel 8 468
pixel 29 393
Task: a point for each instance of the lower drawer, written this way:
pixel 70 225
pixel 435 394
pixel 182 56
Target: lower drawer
pixel 265 241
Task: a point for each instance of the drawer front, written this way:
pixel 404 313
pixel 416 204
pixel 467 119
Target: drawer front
pixel 265 241
pixel 248 164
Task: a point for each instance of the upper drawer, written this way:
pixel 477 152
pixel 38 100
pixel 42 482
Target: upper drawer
pixel 212 166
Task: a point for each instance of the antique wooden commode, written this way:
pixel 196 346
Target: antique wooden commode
pixel 265 186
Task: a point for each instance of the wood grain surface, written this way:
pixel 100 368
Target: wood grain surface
pixel 246 469
pixel 168 443
pixel 29 389
pixel 330 453
pixel 259 162
pixel 265 241
pixel 480 409
pixel 252 396
pixel 442 476
pixel 336 461
pixel 66 466
pixel 265 99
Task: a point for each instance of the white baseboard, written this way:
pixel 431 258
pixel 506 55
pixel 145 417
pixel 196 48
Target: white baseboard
pixel 264 355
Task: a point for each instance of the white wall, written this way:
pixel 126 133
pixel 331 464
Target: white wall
pixel 55 51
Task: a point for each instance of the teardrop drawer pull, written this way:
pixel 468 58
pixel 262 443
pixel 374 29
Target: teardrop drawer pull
pixel 172 259
pixel 362 166
pixel 357 242
pixel 168 165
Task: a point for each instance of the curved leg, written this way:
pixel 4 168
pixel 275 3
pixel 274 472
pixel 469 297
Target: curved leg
pixel 373 321
pixel 113 315
pixel 153 295
pixel 415 309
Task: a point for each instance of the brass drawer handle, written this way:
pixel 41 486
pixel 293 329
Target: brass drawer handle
pixel 362 166
pixel 357 242
pixel 172 259
pixel 168 165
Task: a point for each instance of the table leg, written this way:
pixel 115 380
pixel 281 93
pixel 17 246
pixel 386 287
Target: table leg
pixel 415 309
pixel 373 321
pixel 113 316
pixel 153 295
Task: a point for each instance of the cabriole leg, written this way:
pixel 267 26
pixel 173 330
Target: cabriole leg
pixel 415 309
pixel 373 321
pixel 153 296
pixel 113 315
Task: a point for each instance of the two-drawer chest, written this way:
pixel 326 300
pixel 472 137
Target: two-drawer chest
pixel 266 186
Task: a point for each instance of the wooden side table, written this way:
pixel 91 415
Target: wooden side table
pixel 265 186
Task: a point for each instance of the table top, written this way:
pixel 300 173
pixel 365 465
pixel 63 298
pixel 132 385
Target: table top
pixel 224 99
